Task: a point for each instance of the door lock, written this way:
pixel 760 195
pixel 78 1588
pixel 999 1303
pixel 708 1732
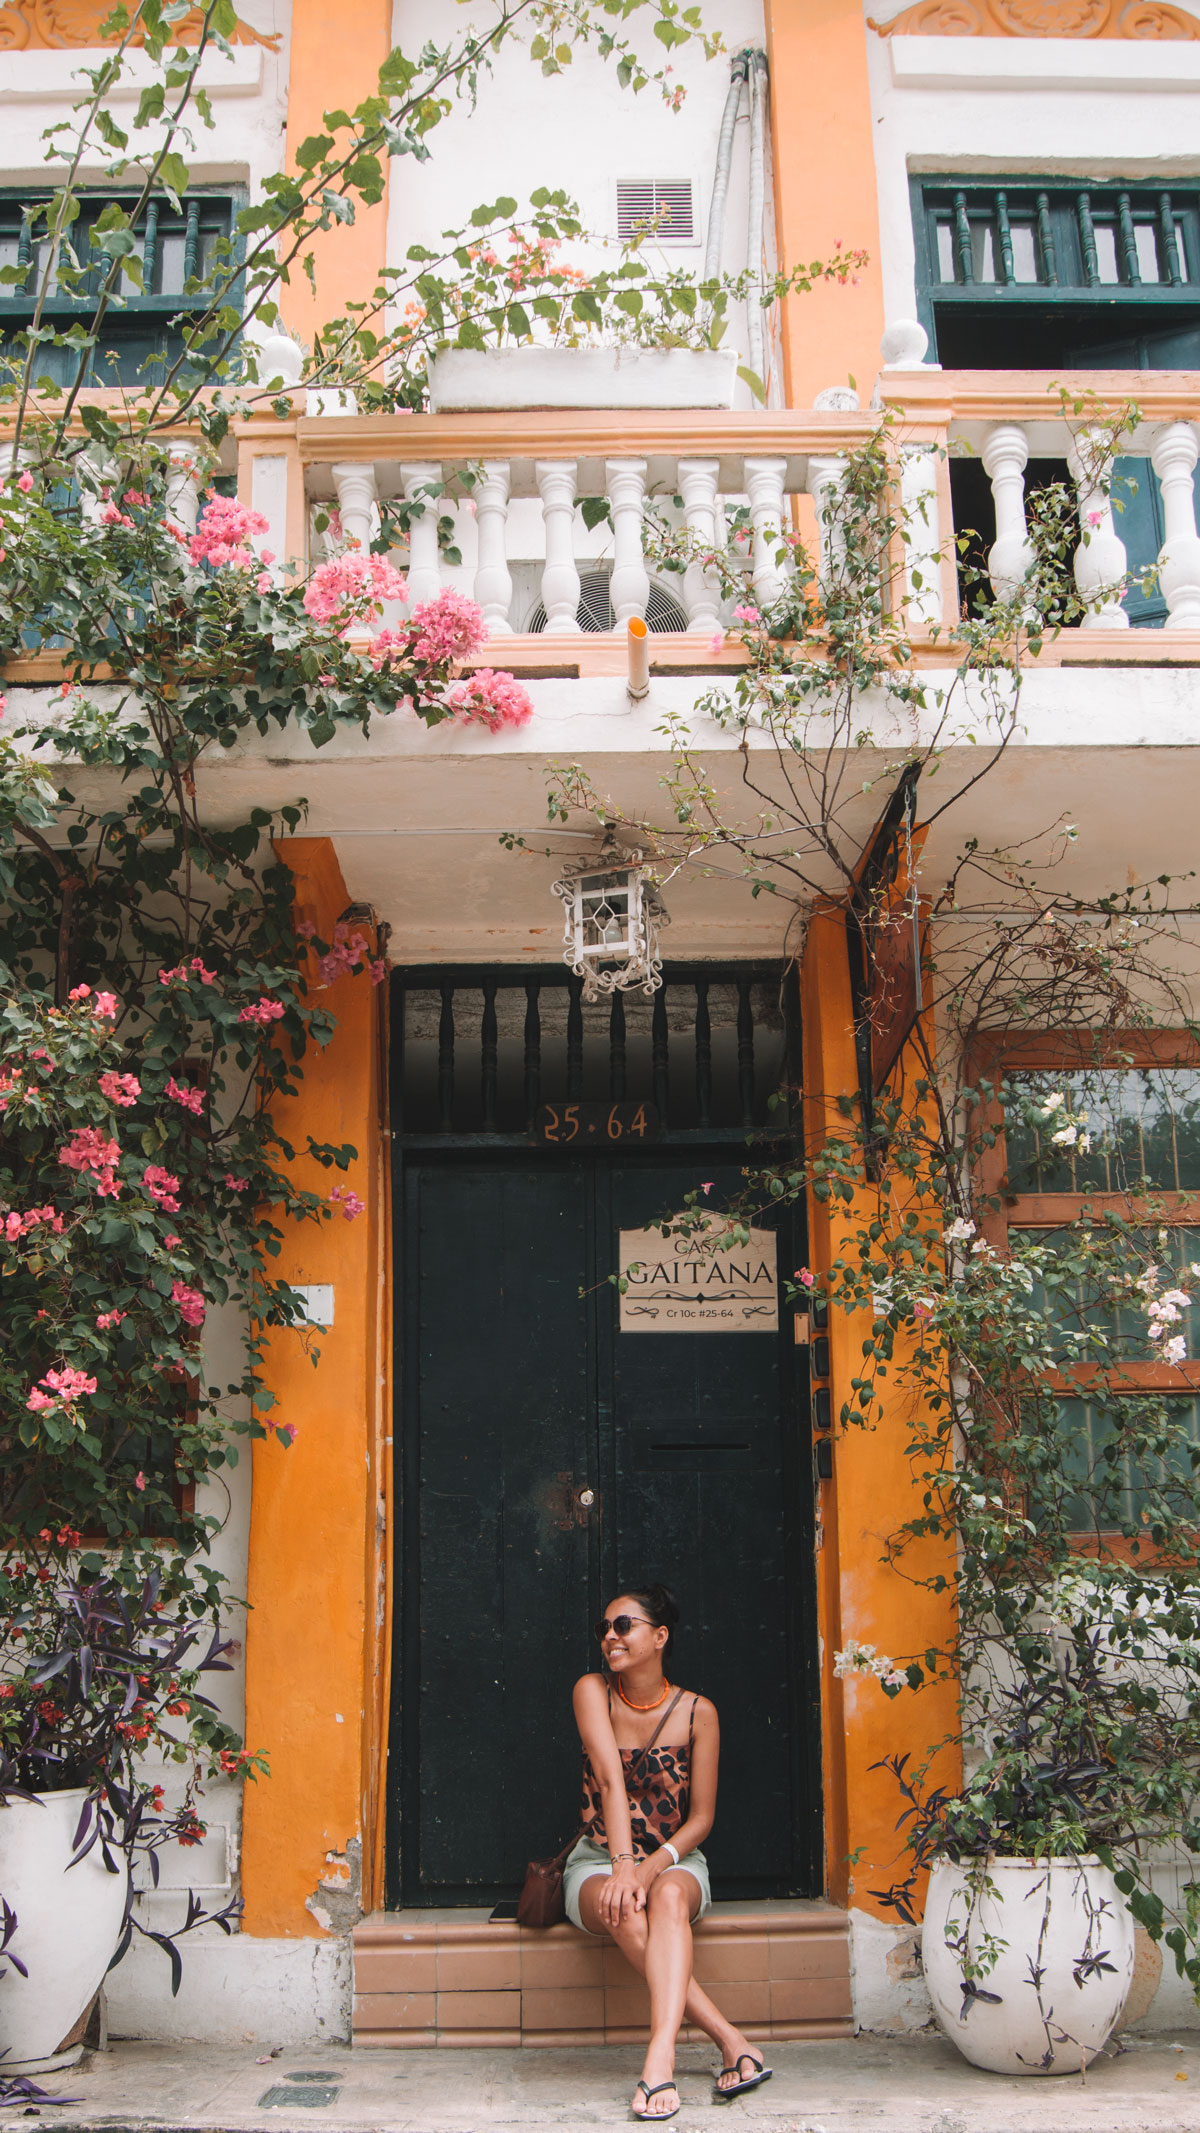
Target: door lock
pixel 587 1498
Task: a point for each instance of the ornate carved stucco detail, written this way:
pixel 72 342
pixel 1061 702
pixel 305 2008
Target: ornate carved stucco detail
pixel 1150 19
pixel 55 25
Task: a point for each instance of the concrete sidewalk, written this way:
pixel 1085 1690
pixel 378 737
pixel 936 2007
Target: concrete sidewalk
pixel 889 2085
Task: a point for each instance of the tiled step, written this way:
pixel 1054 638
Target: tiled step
pixel 779 1970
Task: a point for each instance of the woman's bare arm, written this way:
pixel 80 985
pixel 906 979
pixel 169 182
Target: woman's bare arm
pixel 623 1894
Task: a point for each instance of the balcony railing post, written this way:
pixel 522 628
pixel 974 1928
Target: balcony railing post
pixel 493 580
pixel 698 480
pixel 629 589
pixel 764 480
pixel 922 536
pixel 183 486
pixel 824 484
pixel 354 481
pixel 1173 455
pixel 560 578
pixel 424 573
pixel 1100 561
pixel 1010 558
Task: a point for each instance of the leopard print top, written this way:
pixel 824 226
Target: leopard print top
pixel 657 1782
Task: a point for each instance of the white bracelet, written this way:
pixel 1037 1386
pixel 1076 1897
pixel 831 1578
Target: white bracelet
pixel 674 1854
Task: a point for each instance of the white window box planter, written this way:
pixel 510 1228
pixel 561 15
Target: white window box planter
pixel 462 379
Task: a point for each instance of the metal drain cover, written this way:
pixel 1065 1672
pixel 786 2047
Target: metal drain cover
pixel 324 2075
pixel 314 2097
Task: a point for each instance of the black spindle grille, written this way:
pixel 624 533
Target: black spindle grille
pixel 479 1051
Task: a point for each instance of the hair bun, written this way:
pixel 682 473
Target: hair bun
pixel 664 1603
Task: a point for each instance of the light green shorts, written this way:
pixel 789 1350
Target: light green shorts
pixel 588 1858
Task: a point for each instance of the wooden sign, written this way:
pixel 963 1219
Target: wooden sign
pixel 694 1285
pixel 595 1125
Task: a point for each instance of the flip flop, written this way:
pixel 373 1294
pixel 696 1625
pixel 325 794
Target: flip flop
pixel 657 2118
pixel 761 2073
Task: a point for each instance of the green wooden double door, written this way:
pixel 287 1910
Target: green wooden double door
pixel 545 1459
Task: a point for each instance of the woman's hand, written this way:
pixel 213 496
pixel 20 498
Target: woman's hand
pixel 623 1894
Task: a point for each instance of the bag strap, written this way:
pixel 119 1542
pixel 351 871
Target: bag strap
pixel 661 1723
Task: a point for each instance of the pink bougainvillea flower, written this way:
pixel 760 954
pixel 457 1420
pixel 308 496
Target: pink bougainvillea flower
pixel 348 1201
pixel 348 950
pixel 716 642
pixel 184 971
pixel 139 1480
pixel 25 483
pixel 491 699
pixel 108 1319
pixel 123 1089
pixel 450 627
pixel 806 1280
pixel 262 583
pixel 748 615
pixel 223 534
pixel 707 1188
pixel 19 1225
pixel 235 1184
pixel 352 586
pixel 171 1240
pixel 104 1006
pixel 305 928
pixel 378 971
pixel 191 1099
pixel 162 1187
pixel 109 515
pixel 79 992
pixel 61 1386
pixel 90 1152
pixel 264 1011
pixel 190 1301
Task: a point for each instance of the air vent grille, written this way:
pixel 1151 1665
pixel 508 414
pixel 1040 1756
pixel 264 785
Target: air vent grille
pixel 595 612
pixel 657 206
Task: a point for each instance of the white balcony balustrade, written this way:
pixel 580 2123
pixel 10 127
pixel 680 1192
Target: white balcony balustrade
pixel 550 510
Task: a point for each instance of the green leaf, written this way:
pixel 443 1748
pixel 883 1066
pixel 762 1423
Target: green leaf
pixel 752 379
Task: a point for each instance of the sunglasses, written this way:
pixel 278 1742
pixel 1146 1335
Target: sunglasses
pixel 619 1626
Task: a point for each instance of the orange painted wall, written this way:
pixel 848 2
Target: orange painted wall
pixel 872 1491
pixel 315 1644
pixel 824 156
pixel 337 49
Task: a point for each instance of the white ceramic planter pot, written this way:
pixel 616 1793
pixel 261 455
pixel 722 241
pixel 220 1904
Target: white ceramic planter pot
pixel 1061 1977
pixel 68 1924
pixel 474 379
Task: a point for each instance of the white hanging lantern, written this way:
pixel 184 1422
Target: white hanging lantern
pixel 614 914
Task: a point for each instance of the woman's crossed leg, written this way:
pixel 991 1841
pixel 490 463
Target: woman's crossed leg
pixel 657 1943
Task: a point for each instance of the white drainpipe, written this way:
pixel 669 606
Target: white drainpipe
pixel 755 229
pixel 739 67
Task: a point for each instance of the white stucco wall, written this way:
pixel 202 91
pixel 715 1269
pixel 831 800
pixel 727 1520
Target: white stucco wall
pixel 247 90
pixel 579 132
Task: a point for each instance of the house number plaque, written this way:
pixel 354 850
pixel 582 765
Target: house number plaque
pixel 595 1125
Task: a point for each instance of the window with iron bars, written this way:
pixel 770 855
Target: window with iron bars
pixel 1036 274
pixel 143 333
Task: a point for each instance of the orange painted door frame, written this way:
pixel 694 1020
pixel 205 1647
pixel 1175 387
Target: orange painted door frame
pixel 316 1635
pixel 823 149
pixel 872 1491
